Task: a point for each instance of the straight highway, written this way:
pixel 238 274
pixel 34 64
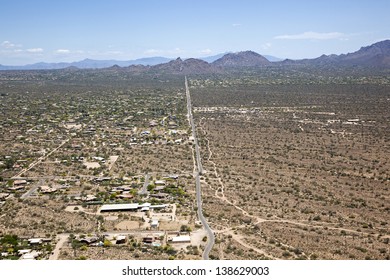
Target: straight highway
pixel 199 171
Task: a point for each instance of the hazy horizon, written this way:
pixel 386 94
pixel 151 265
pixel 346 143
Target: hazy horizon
pixel 139 58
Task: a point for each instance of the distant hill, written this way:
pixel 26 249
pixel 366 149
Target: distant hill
pixel 188 66
pixel 272 58
pixel 89 64
pixel 375 55
pixel 149 61
pixel 241 59
pixel 213 58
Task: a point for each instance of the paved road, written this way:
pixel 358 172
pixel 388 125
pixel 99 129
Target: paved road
pixel 144 189
pixel 32 190
pixel 210 234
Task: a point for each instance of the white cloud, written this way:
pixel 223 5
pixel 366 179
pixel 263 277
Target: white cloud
pixel 35 50
pixel 62 51
pixel 9 45
pixel 236 24
pixel 312 35
pixel 206 51
pixel 176 51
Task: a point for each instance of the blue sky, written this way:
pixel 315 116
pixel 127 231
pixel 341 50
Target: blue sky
pixel 54 31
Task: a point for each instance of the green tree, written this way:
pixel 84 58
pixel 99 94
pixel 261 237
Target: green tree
pixel 9 239
pixel 107 243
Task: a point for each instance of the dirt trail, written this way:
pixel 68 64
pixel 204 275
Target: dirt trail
pixel 220 192
pixel 240 240
pixel 40 159
pixel 221 189
pixel 59 245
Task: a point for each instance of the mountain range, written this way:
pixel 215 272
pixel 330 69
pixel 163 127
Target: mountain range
pixel 97 64
pixel 375 55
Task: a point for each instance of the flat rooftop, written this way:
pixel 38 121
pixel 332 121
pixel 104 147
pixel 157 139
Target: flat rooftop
pixel 129 207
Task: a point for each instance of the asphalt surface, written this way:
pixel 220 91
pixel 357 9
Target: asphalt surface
pixel 210 234
pixel 144 189
pixel 32 190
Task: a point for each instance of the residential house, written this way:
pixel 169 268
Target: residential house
pixel 154 224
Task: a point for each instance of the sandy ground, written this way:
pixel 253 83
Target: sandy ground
pixel 112 161
pixel 170 226
pixel 161 216
pixel 74 126
pixel 71 208
pixel 91 165
pixel 111 218
pixel 128 225
pixel 197 236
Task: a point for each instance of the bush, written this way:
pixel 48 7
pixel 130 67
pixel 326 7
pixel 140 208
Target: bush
pixel 107 243
pixel 185 228
pixel 286 254
pixel 297 251
pixel 317 218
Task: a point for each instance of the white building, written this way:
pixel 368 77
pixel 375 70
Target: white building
pixel 180 239
pixel 154 224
